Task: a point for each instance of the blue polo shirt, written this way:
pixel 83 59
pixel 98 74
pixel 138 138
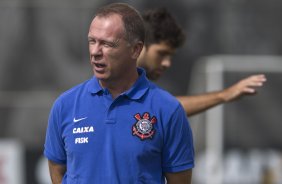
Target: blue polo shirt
pixel 132 139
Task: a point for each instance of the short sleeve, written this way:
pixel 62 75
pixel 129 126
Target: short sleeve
pixel 178 151
pixel 54 144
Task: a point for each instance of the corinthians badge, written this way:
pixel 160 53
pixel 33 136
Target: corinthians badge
pixel 144 127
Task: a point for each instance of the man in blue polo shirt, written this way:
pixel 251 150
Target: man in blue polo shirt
pixel 118 127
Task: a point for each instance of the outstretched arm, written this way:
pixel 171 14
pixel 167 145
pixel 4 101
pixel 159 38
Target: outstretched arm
pixel 199 103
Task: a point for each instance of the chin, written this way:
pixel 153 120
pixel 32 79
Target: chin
pixel 100 76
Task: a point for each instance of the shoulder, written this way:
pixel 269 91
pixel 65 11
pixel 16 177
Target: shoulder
pixel 73 92
pixel 160 93
pixel 163 98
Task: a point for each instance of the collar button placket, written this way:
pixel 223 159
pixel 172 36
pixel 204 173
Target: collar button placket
pixel 111 114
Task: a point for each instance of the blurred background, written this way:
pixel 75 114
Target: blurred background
pixel 44 51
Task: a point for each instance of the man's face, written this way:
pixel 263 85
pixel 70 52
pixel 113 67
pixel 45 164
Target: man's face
pixel 156 59
pixel 109 52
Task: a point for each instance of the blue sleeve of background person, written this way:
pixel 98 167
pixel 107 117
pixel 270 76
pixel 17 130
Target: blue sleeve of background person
pixel 54 144
pixel 178 151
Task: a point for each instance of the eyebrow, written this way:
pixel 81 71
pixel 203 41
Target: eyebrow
pixel 114 43
pixel 163 52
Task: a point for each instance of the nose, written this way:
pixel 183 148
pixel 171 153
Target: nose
pixel 95 51
pixel 166 62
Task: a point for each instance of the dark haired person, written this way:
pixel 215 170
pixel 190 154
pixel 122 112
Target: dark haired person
pixel 163 37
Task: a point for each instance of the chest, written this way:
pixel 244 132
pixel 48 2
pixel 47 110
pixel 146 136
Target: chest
pixel 121 127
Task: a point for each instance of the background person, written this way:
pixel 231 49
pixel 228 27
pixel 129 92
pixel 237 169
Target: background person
pixel 163 37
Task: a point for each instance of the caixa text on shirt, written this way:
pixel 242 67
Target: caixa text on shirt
pixel 80 130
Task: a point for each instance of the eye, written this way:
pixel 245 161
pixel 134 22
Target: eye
pixel 108 44
pixel 91 41
pixel 160 55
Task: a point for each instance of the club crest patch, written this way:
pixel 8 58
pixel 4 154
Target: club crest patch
pixel 144 127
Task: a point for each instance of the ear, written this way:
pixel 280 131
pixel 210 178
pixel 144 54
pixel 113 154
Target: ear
pixel 136 49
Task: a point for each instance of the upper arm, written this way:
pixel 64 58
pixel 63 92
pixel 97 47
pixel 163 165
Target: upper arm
pixel 178 149
pixel 54 147
pixel 57 172
pixel 183 177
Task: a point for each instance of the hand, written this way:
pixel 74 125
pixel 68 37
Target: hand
pixel 245 86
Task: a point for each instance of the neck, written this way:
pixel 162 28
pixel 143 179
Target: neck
pixel 118 86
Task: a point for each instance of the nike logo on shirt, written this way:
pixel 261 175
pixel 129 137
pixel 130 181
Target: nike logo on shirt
pixel 77 120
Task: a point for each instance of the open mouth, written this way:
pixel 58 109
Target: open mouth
pixel 99 65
